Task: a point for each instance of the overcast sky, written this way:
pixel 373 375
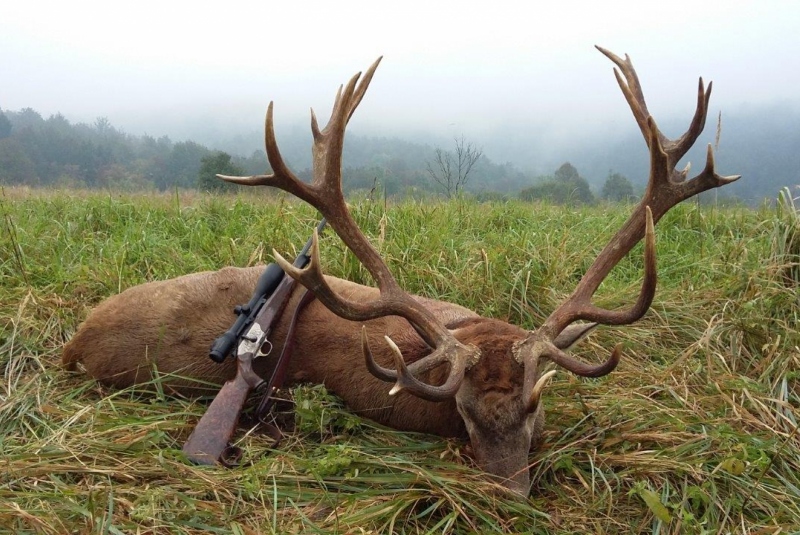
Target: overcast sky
pixel 450 67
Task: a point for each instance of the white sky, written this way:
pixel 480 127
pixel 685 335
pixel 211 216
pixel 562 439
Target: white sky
pixel 449 66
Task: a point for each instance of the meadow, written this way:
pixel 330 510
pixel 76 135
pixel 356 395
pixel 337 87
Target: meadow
pixel 695 432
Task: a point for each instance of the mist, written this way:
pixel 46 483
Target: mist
pixel 449 66
pixel 530 90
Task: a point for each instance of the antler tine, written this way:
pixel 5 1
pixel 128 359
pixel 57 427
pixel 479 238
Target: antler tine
pixel 628 82
pixel 405 376
pixel 578 367
pixel 708 178
pixel 681 146
pixel 327 142
pixel 313 278
pixel 536 391
pixel 281 177
pixel 361 90
pixel 632 90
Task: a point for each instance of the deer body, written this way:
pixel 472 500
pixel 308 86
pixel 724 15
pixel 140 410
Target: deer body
pixel 167 327
pixel 455 373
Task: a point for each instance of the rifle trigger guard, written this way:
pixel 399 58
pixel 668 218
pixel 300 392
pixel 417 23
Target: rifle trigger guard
pixel 261 352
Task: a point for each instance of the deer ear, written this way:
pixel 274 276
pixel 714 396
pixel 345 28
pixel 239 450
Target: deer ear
pixel 573 334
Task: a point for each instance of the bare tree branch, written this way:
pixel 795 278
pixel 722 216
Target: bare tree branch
pixel 451 170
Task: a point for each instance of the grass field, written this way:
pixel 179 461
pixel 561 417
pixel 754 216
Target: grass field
pixel 695 432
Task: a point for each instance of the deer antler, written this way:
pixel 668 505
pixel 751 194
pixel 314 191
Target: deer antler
pixel 666 187
pixel 325 194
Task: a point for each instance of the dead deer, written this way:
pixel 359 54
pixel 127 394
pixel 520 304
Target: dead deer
pixel 455 373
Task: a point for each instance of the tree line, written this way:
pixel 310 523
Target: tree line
pixel 35 151
pixel 54 152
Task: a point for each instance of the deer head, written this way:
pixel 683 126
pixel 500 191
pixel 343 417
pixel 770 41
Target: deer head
pixel 501 427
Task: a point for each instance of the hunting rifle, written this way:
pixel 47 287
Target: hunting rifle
pixel 210 439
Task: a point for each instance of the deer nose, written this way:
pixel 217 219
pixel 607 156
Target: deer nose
pixel 512 475
pixel 519 483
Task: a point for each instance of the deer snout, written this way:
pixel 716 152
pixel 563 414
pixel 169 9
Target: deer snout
pixel 505 463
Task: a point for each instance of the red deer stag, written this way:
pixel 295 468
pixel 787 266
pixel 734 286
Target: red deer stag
pixel 490 387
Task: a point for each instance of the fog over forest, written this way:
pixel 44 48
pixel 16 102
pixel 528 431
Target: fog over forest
pixel 758 142
pixel 530 91
pixel 762 143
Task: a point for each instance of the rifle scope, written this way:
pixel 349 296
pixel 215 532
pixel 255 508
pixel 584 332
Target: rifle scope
pixel 266 285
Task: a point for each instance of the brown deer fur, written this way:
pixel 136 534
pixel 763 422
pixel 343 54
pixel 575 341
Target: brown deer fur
pixel 168 326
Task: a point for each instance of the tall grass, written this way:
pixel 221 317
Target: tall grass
pixel 696 432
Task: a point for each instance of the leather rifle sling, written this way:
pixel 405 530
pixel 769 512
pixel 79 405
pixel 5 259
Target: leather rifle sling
pixel 279 372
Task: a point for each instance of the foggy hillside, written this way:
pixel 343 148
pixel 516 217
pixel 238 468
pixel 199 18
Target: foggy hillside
pixel 762 143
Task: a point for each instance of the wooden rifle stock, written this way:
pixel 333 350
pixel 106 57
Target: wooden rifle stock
pixel 211 436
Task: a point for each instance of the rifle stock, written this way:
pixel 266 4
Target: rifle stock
pixel 209 440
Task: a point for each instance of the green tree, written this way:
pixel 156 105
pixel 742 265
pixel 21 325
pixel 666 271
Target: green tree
pixel 577 186
pixel 212 165
pixel 5 126
pixel 103 126
pixel 15 165
pixel 566 186
pixel 182 165
pixel 617 188
pixel 27 118
pixel 567 173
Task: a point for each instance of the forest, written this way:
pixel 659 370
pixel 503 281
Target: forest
pixel 40 152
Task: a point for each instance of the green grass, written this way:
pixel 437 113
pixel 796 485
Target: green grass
pixel 696 432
